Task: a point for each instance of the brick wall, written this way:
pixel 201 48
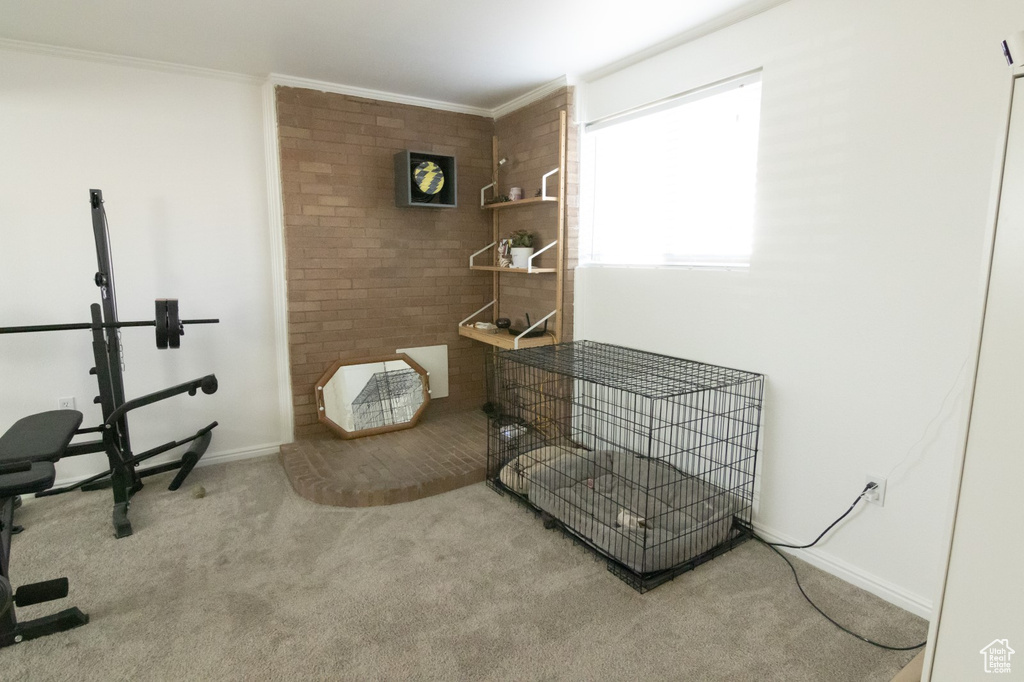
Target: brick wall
pixel 528 138
pixel 365 277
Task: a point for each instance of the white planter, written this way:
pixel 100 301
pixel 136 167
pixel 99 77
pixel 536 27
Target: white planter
pixel 521 256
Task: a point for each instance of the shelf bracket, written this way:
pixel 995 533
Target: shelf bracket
pixel 529 264
pixel 515 343
pixel 479 252
pixel 483 309
pixel 543 186
pixel 483 190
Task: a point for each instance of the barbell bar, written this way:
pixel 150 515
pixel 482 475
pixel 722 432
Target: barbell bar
pixel 169 327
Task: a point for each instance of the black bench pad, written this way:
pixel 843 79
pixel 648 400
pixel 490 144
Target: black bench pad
pixel 40 437
pixel 37 479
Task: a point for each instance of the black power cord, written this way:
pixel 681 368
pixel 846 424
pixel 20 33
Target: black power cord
pixel 774 545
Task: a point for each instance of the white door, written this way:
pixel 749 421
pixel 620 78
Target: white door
pixel 983 603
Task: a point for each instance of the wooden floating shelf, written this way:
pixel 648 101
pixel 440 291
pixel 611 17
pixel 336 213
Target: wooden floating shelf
pixel 503 339
pixel 495 268
pixel 521 202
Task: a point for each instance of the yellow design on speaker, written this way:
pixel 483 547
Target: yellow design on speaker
pixel 429 177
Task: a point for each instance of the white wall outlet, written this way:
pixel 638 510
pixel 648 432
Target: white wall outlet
pixel 65 403
pixel 877 495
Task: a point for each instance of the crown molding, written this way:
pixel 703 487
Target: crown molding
pixel 380 95
pixel 530 97
pixel 283 79
pixel 121 60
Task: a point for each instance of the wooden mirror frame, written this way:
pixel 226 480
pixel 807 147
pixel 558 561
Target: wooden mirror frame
pixel 318 392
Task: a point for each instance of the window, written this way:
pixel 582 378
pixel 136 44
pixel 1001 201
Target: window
pixel 674 183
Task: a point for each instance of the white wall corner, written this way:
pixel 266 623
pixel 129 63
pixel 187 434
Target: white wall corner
pixel 529 97
pixel 279 284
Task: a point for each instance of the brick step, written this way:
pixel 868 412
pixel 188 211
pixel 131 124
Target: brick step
pixel 441 453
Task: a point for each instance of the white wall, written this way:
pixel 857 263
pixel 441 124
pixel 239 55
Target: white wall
pixel 881 123
pixel 179 158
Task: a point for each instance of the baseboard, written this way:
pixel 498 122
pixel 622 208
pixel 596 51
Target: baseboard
pixel 914 603
pixel 209 459
pixel 240 454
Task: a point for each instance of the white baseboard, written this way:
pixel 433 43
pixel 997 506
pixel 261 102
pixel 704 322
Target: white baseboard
pixel 237 455
pixel 240 454
pixel 914 603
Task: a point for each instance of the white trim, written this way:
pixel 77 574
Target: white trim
pixel 237 455
pixel 528 98
pixel 723 267
pixel 354 91
pixel 679 99
pixel 279 283
pixel 240 454
pixel 894 594
pixel 121 60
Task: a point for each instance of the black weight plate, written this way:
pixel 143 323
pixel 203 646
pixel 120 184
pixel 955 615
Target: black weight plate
pixel 161 323
pixel 173 324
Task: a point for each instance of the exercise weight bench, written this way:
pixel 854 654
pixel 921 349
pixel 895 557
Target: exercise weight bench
pixel 124 477
pixel 27 453
pixel 123 474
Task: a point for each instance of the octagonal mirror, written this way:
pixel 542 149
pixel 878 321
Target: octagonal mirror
pixel 376 395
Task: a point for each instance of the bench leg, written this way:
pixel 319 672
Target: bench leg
pixel 122 526
pixel 12 632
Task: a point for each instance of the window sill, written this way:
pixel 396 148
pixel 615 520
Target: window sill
pixel 704 267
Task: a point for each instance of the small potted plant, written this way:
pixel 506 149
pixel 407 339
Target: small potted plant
pixel 522 248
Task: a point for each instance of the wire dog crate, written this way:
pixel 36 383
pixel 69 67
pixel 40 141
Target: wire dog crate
pixel 389 397
pixel 646 459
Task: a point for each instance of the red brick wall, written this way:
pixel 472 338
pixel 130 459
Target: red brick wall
pixel 365 277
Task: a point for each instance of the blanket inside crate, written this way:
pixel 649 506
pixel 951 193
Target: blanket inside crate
pixel 643 512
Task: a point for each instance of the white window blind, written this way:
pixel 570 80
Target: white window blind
pixel 674 183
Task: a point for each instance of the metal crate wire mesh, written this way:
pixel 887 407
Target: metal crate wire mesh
pixel 389 397
pixel 645 458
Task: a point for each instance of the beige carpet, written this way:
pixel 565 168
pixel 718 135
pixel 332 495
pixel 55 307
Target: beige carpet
pixel 253 582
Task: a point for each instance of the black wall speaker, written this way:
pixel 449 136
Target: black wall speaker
pixel 425 180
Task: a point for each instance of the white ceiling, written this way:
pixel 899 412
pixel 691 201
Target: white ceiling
pixel 475 53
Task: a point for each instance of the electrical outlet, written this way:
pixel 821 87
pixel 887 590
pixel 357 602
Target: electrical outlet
pixel 877 495
pixel 65 403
